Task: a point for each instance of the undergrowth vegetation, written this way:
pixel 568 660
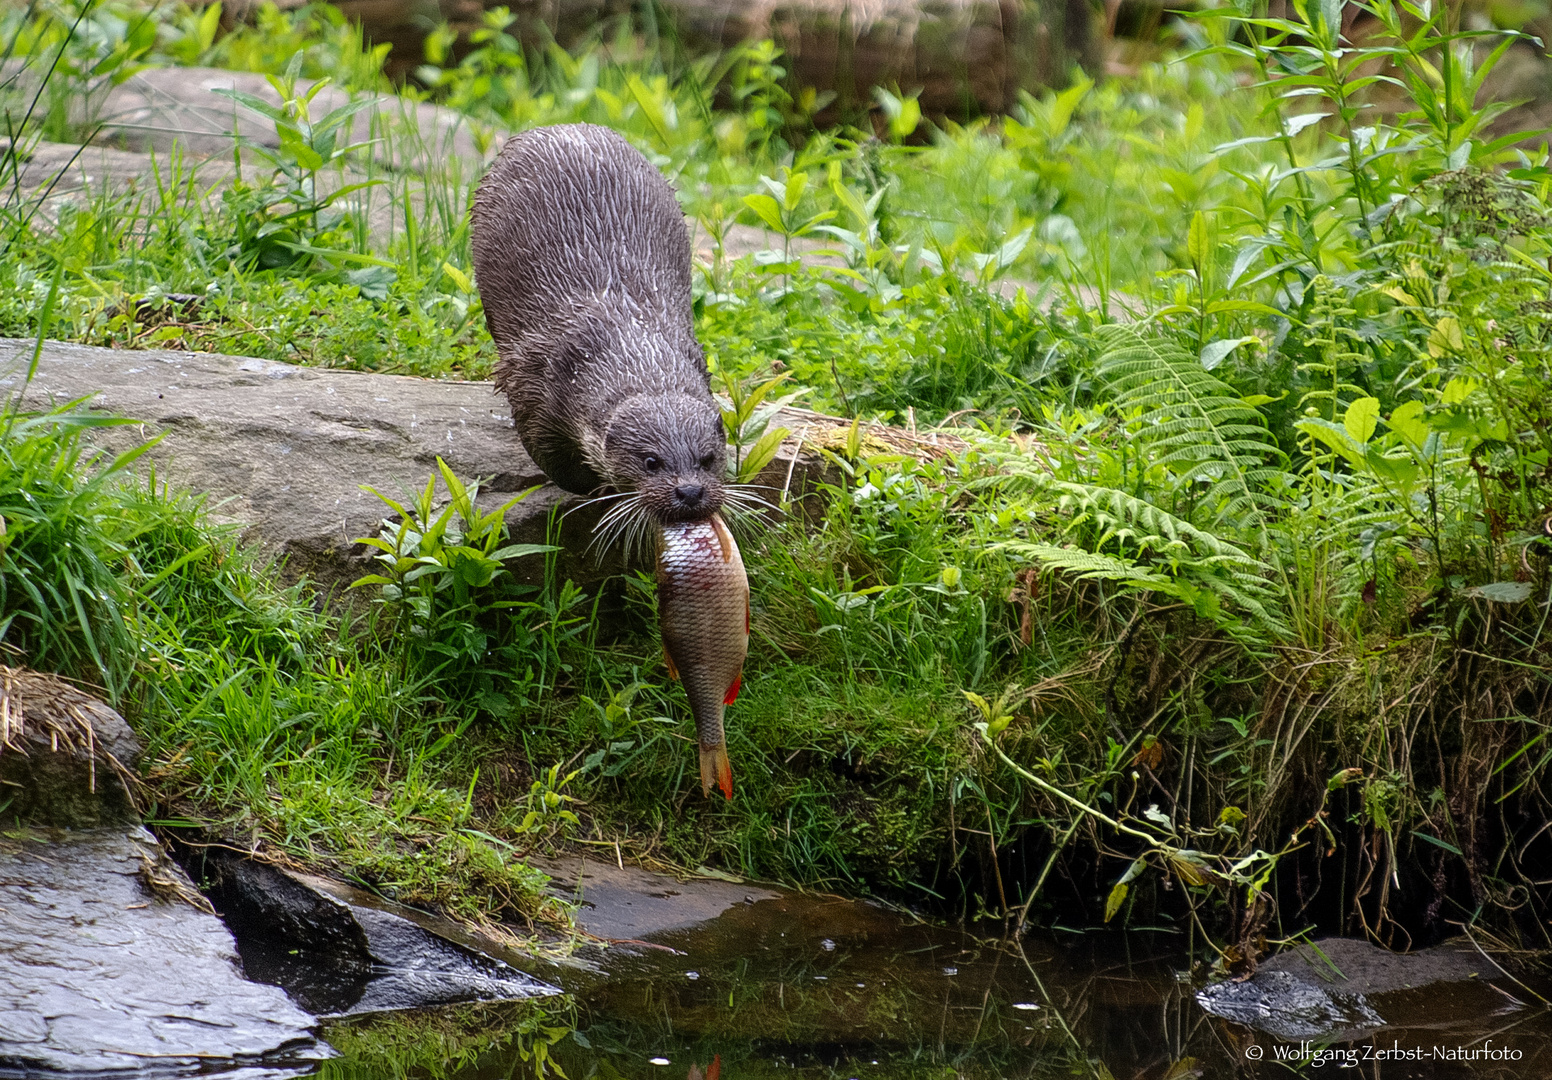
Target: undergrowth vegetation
pixel 1203 576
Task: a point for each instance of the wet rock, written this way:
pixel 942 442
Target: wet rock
pixel 339 953
pixel 288 450
pixel 624 902
pixel 107 965
pixel 1339 987
pixel 1281 1004
pixel 65 757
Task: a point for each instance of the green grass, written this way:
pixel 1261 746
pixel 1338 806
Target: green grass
pixel 1261 565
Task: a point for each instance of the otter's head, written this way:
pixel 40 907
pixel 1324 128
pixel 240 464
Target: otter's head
pixel 672 449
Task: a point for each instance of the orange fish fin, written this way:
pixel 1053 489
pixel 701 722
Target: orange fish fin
pixel 715 1072
pixel 715 771
pixel 724 537
pixel 732 691
pixel 673 672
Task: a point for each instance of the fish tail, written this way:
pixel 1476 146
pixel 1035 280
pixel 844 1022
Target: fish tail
pixel 715 771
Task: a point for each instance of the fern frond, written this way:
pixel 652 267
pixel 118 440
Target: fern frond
pixel 1159 552
pixel 1192 421
pixel 1087 565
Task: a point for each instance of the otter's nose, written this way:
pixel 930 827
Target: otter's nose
pixel 689 494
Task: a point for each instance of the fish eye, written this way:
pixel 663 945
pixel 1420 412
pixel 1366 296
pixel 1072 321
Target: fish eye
pixel 651 463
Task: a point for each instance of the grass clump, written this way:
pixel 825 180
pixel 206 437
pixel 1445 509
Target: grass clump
pixel 271 724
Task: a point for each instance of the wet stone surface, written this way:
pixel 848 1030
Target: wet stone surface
pixel 1284 1005
pixel 1340 987
pixel 338 951
pixel 104 966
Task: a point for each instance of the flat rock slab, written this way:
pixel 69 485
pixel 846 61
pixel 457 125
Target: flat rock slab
pixel 101 969
pixel 1351 966
pixel 288 450
pixel 187 108
pixel 629 903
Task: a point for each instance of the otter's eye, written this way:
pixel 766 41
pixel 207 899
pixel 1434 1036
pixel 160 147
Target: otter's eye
pixel 708 461
pixel 651 463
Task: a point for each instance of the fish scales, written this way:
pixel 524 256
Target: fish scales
pixel 703 609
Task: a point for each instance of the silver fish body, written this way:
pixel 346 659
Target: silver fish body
pixel 703 610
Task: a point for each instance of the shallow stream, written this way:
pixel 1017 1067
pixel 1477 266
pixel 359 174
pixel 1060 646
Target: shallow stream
pixel 818 987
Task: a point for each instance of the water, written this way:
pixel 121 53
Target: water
pixel 827 988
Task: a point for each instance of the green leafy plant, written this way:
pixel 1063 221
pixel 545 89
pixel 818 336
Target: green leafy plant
pixel 748 423
pixel 288 218
pixel 438 566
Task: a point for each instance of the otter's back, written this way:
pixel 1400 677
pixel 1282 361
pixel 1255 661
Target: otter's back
pixel 567 216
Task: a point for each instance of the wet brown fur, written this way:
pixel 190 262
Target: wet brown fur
pixel 583 263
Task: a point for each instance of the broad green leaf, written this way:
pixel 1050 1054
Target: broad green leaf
pixel 1445 338
pixel 1502 592
pixel 1401 470
pixel 1331 435
pixel 1214 352
pixel 651 108
pixel 907 120
pixel 1197 242
pixel 1116 898
pixel 757 395
pixel 797 183
pixel 1407 421
pixel 520 551
pixel 1457 389
pixel 768 210
pixel 1361 418
pixel 1436 842
pixel 1062 108
pixel 761 453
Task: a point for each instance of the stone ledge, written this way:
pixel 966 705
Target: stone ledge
pixel 286 450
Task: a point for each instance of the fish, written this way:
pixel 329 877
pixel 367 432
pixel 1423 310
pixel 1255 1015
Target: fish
pixel 703 611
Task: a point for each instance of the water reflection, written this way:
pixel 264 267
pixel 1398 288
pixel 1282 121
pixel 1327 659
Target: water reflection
pixel 833 989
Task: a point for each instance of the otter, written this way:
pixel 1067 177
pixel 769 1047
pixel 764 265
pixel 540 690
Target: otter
pixel 582 260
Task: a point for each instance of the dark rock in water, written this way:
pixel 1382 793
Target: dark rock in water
pixel 1284 1005
pixel 336 953
pixel 65 757
pixel 1339 987
pixel 106 964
